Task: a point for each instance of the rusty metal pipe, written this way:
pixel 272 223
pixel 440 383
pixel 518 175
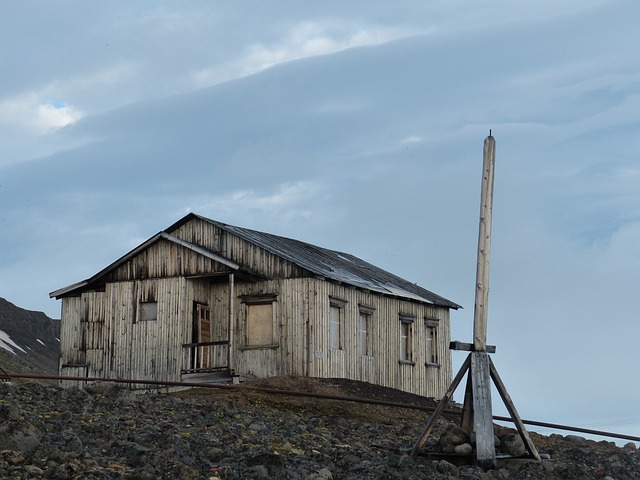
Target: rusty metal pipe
pixel 572 429
pixel 223 386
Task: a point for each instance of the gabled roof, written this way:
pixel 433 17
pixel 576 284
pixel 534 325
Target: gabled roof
pixel 322 262
pixel 334 265
pixel 125 258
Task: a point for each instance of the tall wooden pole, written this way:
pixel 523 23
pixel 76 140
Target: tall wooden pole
pixel 477 409
pixel 480 368
pixel 484 247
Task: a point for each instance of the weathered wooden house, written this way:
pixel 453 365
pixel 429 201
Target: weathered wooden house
pixel 203 296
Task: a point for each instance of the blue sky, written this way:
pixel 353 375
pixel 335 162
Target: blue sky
pixel 357 127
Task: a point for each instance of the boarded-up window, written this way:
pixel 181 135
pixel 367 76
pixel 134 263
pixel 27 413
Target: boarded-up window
pixel 406 338
pixel 431 341
pixel 259 324
pixel 336 324
pixel 148 312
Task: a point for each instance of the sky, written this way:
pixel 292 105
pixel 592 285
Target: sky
pixel 357 126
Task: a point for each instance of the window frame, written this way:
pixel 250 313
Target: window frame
pixel 336 328
pixel 365 313
pixel 405 344
pixel 257 301
pixel 431 327
pixel 147 312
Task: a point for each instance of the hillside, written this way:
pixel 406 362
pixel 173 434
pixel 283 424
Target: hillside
pixel 29 341
pixel 109 432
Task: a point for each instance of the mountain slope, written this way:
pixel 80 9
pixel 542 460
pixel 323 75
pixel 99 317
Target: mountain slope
pixel 29 341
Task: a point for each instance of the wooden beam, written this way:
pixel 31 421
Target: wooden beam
pixel 482 414
pixel 467 406
pixel 484 248
pixel 441 405
pixel 469 347
pixel 231 323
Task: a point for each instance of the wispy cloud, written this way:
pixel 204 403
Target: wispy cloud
pixel 286 202
pixel 305 39
pixel 37 114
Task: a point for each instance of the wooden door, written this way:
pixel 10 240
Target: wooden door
pixel 203 335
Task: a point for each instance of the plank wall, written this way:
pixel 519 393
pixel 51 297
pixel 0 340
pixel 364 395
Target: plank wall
pixel 244 253
pixel 102 329
pixel 382 366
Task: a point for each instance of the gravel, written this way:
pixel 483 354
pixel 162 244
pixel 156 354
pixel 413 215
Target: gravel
pixel 108 432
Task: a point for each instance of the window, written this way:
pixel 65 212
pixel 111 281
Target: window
pixel 336 324
pixel 259 313
pixel 431 334
pixel 363 337
pixel 148 312
pixel 259 324
pixel 406 338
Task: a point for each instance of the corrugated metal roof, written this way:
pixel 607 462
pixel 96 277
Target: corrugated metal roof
pixel 338 266
pixel 331 264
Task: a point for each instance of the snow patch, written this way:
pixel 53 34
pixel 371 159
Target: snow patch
pixel 6 343
pixel 40 342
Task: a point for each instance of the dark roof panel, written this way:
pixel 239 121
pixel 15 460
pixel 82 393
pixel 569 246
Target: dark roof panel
pixel 331 264
pixel 334 265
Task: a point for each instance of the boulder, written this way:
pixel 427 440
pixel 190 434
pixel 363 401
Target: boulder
pixel 453 437
pixel 463 449
pixel 512 444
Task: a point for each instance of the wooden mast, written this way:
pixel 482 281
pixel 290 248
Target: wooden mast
pixel 477 409
pixel 484 247
pixel 478 412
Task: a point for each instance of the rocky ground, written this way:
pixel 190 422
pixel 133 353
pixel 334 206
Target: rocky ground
pixel 108 432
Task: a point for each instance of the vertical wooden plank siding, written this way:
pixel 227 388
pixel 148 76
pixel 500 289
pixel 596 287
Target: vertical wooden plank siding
pixel 242 252
pixel 116 343
pixel 382 366
pixel 105 331
pixel 302 317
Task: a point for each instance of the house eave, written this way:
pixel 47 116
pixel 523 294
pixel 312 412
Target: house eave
pixel 65 291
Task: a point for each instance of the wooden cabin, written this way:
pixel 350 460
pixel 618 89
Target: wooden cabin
pixel 203 297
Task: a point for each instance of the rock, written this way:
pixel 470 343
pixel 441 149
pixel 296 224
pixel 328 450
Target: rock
pixel 257 426
pixel 454 436
pixel 576 438
pixel 322 474
pixel 20 437
pixel 469 472
pixel 463 449
pixel 34 471
pixel 446 468
pixel 12 457
pixel 512 444
pixel 209 435
pixel 495 475
pixel 215 454
pixel 99 388
pixel 74 445
pixel 8 412
pixel 259 471
pixel 629 446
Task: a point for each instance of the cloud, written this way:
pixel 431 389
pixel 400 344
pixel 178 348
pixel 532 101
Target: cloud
pixel 411 139
pixel 37 114
pixel 287 202
pixel 305 39
pixel 375 151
